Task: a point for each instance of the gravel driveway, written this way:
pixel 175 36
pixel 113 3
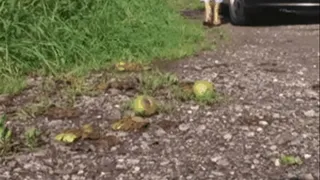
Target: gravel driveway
pixel 271 78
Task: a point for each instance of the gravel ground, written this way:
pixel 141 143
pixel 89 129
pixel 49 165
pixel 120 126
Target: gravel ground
pixel 271 78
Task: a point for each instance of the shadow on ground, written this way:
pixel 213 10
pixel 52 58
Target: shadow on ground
pixel 268 18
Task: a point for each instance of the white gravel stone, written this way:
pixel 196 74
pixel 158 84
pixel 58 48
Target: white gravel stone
pixel 227 137
pixel 263 123
pixel 310 113
pixel 184 127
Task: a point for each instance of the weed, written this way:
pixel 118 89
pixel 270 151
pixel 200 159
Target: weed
pixel 76 85
pixel 32 136
pixel 166 108
pixel 151 82
pixel 5 136
pixel 290 160
pixel 126 106
pixel 207 99
pixel 182 94
pixel 32 110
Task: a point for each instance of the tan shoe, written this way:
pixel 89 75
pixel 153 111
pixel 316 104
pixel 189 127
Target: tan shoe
pixel 216 17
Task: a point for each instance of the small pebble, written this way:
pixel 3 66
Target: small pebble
pixel 65 177
pixel 273 147
pixel 250 134
pixel 223 162
pixel 310 113
pixel 4 97
pixel 277 162
pixel 256 161
pixel 276 116
pixel 269 107
pixel 136 169
pixel 215 159
pixel 307 156
pixel 307 177
pixel 194 108
pixel 184 127
pixel 201 128
pixel 164 163
pixel 189 177
pixel 216 173
pixel 311 94
pixel 227 137
pixel 160 132
pixel 238 108
pixel 263 123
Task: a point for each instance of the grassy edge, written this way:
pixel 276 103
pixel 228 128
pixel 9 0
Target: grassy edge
pixel 14 85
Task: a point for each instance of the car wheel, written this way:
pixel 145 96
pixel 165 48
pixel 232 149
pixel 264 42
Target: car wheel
pixel 237 12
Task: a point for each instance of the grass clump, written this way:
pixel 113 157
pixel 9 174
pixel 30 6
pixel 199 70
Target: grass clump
pixel 185 4
pixel 157 83
pixel 151 82
pixel 5 136
pixel 32 137
pixel 70 35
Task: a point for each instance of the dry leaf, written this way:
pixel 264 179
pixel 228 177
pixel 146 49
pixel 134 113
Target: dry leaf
pixel 187 86
pixel 131 66
pixel 59 113
pixel 89 133
pixel 69 136
pixel 125 83
pixel 130 124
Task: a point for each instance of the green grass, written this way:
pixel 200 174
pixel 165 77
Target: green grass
pixel 186 4
pixel 52 37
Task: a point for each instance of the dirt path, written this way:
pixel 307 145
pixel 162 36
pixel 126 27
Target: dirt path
pixel 271 77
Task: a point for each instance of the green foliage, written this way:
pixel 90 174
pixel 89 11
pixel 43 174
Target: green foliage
pixel 290 160
pixel 186 4
pixel 157 80
pixel 32 136
pixel 5 132
pixel 5 136
pixel 53 36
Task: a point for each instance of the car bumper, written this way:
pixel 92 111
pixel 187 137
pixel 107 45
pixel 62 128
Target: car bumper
pixel 283 3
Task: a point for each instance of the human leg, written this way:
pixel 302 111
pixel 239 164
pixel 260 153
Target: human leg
pixel 216 10
pixel 208 13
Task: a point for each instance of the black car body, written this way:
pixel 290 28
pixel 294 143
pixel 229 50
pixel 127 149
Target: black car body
pixel 241 10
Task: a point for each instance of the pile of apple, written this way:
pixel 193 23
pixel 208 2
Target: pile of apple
pixel 145 105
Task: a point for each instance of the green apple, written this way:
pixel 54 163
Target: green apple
pixel 144 105
pixel 203 89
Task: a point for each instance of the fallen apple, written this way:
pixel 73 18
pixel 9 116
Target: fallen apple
pixel 144 105
pixel 203 89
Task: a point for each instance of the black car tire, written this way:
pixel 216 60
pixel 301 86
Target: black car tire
pixel 238 13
